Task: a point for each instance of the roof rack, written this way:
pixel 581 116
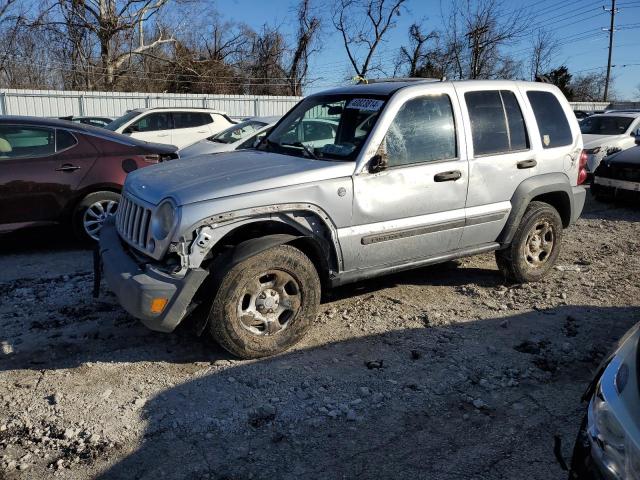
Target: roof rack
pixel 177 108
pixel 399 79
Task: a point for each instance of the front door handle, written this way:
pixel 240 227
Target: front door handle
pixel 67 167
pixel 163 135
pixel 527 164
pixel 451 176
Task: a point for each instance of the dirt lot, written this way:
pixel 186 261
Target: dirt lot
pixel 442 372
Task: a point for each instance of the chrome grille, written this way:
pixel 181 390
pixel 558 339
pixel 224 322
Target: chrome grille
pixel 132 222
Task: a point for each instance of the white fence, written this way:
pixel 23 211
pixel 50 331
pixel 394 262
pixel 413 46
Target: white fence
pixel 56 103
pixel 590 106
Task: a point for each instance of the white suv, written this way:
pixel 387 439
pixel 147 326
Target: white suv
pixel 174 126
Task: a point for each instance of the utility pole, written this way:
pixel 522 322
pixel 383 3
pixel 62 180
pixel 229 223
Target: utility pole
pixel 613 16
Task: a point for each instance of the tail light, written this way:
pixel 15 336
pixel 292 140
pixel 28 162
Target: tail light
pixel 582 168
pixel 152 158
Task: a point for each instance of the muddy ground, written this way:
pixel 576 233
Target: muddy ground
pixel 439 373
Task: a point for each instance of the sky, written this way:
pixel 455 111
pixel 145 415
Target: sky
pixel 577 26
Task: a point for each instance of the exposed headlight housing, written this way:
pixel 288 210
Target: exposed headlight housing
pixel 163 220
pixel 613 449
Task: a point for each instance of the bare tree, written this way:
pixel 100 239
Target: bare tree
pixel 361 39
pixel 114 23
pixel 416 57
pixel 590 87
pixel 543 49
pixel 476 34
pixel 308 29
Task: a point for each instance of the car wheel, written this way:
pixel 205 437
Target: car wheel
pixel 535 246
pixel 266 303
pixel 91 213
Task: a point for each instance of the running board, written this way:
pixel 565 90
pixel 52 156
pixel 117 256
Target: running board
pixel 357 275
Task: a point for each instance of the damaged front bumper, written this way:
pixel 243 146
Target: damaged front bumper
pixel 141 289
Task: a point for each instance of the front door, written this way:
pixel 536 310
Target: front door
pixel 40 169
pixel 414 208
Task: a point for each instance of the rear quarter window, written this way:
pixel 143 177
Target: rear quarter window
pixel 551 119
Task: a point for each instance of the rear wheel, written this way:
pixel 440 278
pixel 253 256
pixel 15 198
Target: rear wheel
pixel 535 246
pixel 266 303
pixel 91 213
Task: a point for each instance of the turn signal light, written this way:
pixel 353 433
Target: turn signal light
pixel 158 304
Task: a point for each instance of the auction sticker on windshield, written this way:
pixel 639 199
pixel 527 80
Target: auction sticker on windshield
pixel 367 104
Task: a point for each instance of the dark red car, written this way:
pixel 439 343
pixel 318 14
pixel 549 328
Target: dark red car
pixel 55 171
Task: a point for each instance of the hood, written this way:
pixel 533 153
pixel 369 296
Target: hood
pixel 205 146
pixel 593 141
pixel 631 156
pixel 233 173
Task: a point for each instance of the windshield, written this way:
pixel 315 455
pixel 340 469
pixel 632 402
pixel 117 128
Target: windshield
pixel 605 125
pixel 120 121
pixel 326 127
pixel 238 132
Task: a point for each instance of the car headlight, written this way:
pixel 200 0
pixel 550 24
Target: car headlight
pixel 163 220
pixel 617 452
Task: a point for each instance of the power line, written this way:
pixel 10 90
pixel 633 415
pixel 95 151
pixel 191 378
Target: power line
pixel 247 82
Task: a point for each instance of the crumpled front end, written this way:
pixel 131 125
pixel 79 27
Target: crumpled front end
pixel 156 297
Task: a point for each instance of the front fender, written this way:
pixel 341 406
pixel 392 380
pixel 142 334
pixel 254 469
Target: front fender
pixel 253 246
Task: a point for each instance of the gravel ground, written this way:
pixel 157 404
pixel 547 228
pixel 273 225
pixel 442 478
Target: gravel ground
pixel 442 372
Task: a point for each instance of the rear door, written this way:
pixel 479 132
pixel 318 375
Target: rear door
pixel 190 127
pixel 500 157
pixel 40 169
pixel 153 127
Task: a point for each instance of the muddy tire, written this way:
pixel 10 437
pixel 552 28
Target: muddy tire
pixel 265 304
pixel 535 246
pixel 91 212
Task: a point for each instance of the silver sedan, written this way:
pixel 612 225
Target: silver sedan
pixel 241 135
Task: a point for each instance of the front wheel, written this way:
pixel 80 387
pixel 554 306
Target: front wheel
pixel 91 213
pixel 535 246
pixel 266 303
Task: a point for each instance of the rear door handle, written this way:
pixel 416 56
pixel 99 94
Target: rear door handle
pixel 527 164
pixel 67 167
pixel 451 176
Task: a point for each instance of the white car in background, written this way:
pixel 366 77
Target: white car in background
pixel 241 135
pixel 606 133
pixel 173 126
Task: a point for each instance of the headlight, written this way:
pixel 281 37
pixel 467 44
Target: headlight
pixel 163 220
pixel 616 451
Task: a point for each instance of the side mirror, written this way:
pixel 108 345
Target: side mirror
pixel 130 129
pixel 638 138
pixel 378 163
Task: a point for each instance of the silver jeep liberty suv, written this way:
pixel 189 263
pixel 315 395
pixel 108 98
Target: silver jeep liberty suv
pixel 350 184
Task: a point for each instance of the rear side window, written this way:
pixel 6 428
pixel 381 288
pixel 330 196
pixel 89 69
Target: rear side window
pixel 422 131
pixel 552 121
pixel 497 124
pixel 64 140
pixel 18 141
pixel 191 119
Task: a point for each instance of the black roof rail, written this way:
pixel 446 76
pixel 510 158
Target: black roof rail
pixel 399 79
